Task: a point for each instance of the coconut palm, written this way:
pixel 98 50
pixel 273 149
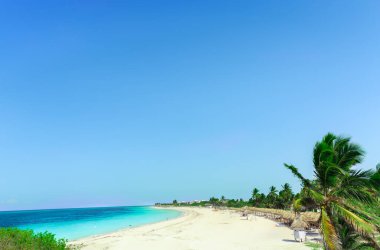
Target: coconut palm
pixel 338 190
pixel 255 199
pixel 286 187
pixel 272 197
pixel 255 193
pixel 272 191
pixel 285 196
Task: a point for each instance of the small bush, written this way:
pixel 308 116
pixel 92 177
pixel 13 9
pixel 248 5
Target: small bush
pixel 14 238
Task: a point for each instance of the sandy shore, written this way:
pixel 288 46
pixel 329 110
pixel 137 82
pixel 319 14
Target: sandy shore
pixel 199 228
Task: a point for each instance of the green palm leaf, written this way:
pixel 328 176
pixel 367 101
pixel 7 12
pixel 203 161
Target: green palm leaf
pixel 355 185
pixel 295 171
pixel 354 220
pixel 347 198
pixel 330 236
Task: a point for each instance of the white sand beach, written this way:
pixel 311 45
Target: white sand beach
pixel 200 229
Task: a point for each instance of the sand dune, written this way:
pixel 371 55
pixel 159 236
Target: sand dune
pixel 199 229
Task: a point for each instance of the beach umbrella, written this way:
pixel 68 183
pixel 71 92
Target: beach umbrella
pixel 299 224
pixel 311 218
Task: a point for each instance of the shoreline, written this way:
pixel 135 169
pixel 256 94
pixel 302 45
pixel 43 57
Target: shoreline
pixel 198 228
pixel 91 237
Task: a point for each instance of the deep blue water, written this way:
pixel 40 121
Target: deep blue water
pixel 76 223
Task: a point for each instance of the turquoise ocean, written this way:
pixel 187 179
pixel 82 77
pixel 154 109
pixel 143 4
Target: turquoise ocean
pixel 75 223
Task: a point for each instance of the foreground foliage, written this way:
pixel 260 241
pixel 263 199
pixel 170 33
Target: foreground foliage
pixel 13 238
pixel 343 194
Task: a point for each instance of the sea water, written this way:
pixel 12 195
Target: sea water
pixel 75 223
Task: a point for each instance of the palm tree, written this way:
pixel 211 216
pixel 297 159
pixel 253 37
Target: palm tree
pixel 272 190
pixel 214 201
pixel 339 190
pixel 272 197
pixel 255 197
pixel 255 192
pixel 286 196
pixel 286 187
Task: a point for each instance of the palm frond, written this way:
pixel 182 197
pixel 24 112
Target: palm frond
pixel 361 210
pixel 329 138
pixel 329 233
pixel 355 184
pixel 375 178
pixel 330 174
pixel 316 196
pixel 295 171
pixel 323 151
pixel 348 154
pixel 360 225
pixel 351 240
pixel 297 205
pixel 369 212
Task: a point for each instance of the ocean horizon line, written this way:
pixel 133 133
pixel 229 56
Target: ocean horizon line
pixel 39 209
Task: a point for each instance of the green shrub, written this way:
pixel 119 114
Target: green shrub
pixel 14 238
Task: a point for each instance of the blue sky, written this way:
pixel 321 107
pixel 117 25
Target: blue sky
pixel 134 102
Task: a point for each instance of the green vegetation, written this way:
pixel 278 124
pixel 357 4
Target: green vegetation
pixel 314 245
pixel 15 239
pixel 282 199
pixel 274 199
pixel 348 198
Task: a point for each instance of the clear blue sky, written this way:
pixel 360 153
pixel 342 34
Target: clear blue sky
pixel 133 102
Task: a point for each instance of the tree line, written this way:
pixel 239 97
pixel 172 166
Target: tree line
pixel 346 196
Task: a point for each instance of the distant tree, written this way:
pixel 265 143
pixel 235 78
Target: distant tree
pixel 285 197
pixel 256 197
pixel 231 203
pixel 255 193
pixel 272 197
pixel 214 201
pixel 261 202
pixel 175 202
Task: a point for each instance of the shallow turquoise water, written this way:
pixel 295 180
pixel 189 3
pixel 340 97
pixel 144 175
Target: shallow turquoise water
pixel 82 222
